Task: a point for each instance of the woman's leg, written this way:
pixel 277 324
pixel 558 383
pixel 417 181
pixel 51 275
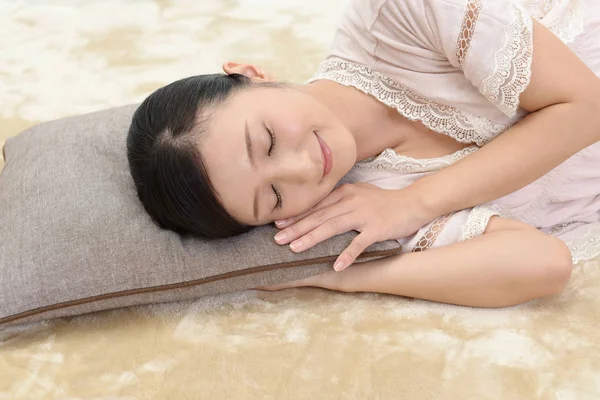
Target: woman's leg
pixel 510 263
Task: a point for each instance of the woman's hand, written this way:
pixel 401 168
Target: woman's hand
pixel 376 213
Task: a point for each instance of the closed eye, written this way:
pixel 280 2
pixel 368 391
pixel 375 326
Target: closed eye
pixel 273 142
pixel 278 195
pixel 279 202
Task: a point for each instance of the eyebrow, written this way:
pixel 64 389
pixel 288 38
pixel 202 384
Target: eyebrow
pixel 251 158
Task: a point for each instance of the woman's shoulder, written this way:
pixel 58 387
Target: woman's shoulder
pixel 449 63
pixel 366 11
pixel 409 14
pixel 372 32
pixel 366 15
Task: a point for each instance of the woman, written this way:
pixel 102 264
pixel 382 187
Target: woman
pixel 474 123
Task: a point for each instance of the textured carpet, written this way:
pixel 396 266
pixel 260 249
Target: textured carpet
pixel 61 58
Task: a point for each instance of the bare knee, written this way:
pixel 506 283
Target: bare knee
pixel 560 265
pixel 550 263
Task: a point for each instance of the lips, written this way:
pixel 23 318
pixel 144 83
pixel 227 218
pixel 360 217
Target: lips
pixel 327 156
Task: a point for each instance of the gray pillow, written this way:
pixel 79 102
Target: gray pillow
pixel 74 237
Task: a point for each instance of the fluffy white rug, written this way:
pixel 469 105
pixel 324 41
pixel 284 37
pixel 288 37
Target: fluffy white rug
pixel 59 58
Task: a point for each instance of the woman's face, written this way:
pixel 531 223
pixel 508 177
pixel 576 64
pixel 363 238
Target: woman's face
pixel 274 152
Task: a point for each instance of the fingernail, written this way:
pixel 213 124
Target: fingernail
pixel 281 222
pixel 296 245
pixel 338 266
pixel 280 237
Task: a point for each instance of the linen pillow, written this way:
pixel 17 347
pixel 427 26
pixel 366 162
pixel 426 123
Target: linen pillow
pixel 74 237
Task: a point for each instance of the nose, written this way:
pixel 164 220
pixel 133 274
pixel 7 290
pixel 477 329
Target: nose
pixel 296 168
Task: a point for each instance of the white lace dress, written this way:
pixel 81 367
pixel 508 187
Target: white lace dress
pixel 459 66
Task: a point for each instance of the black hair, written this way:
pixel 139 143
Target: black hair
pixel 167 168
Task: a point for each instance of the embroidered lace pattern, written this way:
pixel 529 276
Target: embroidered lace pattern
pixel 586 246
pixel 389 160
pixel 428 239
pixel 558 229
pixel 583 247
pixel 569 26
pixel 466 31
pixel 477 221
pixel 539 8
pixel 512 71
pixel 462 126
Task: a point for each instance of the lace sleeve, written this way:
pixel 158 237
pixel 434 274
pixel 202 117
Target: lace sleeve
pixel 491 42
pixel 512 64
pixel 477 221
pixel 449 229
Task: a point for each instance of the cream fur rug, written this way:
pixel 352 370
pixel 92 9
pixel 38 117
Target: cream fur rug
pixel 59 58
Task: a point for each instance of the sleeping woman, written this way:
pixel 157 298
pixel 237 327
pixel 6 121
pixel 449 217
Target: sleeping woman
pixel 467 130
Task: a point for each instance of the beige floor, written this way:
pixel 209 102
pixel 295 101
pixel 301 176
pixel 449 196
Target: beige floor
pixel 60 58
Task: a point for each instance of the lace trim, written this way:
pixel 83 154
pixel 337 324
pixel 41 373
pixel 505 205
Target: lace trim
pixel 587 246
pixel 466 31
pixel 460 125
pixel 584 247
pixel 512 70
pixel 568 26
pixel 389 160
pixel 558 229
pixel 539 8
pixel 428 239
pixel 477 221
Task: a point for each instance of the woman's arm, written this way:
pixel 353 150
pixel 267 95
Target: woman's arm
pixel 564 98
pixel 510 263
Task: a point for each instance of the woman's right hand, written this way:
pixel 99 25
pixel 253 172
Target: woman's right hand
pixel 378 214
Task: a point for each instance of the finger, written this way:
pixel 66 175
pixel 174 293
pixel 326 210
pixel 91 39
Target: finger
pixel 331 199
pixel 348 256
pixel 310 223
pixel 332 227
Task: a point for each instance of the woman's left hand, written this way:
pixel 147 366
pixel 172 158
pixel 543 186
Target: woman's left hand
pixel 376 213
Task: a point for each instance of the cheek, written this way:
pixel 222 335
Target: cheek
pixel 293 128
pixel 299 200
pixel 300 118
pixel 296 201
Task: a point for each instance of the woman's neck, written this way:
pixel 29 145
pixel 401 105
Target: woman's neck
pixel 364 116
pixel 376 127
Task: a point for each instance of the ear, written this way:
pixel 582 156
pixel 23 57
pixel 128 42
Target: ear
pixel 249 70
